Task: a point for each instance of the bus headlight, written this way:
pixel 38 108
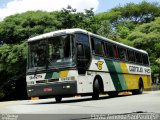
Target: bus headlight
pixel 30 82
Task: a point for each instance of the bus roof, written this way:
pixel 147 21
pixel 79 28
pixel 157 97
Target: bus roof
pixel 74 30
pixel 55 33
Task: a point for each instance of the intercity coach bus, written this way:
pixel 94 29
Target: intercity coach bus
pixel 77 62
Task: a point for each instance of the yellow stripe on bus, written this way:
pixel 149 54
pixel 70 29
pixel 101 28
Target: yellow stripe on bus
pixel 64 74
pixel 130 79
pixel 124 67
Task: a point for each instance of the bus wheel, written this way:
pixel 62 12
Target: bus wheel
pixel 96 90
pixel 58 99
pixel 140 89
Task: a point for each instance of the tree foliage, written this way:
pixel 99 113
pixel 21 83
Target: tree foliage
pixel 138 13
pixel 12 65
pixel 105 29
pixel 125 18
pixel 19 27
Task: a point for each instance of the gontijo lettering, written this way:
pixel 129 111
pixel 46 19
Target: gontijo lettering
pixel 135 69
pixel 139 69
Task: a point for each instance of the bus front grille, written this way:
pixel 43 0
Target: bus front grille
pixel 47 81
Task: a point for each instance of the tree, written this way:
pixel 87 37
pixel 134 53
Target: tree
pixel 19 27
pixel 12 68
pixel 89 22
pixel 144 12
pixel 105 29
pixel 147 37
pixel 70 18
pixel 125 18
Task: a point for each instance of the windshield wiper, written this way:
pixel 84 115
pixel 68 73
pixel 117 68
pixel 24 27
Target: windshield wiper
pixel 51 62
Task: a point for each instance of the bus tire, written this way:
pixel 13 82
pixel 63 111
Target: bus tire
pixel 96 90
pixel 58 99
pixel 139 90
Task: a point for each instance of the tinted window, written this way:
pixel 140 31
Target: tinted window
pixel 59 50
pixel 97 46
pixel 106 51
pixel 115 51
pixel 145 59
pixel 138 57
pixel 131 56
pixel 110 50
pixel 121 53
pixel 126 54
pixel 83 40
pixel 37 55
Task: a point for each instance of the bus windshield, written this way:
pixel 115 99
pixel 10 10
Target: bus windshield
pixel 53 52
pixel 37 54
pixel 59 51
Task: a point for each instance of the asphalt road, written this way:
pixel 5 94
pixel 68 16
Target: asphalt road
pixel 148 102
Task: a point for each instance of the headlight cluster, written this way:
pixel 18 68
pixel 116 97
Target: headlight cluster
pixel 30 83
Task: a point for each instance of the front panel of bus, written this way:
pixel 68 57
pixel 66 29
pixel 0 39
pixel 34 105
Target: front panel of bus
pixel 51 66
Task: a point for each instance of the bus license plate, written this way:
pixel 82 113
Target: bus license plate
pixel 47 90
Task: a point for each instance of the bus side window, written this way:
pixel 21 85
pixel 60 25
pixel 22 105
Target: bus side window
pixel 138 57
pixel 131 56
pixel 110 50
pixel 115 52
pixel 103 48
pixel 145 59
pixel 121 53
pixel 126 54
pixel 98 46
pixel 106 51
pixel 83 51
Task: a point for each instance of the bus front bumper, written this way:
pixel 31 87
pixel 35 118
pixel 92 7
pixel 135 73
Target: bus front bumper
pixel 53 89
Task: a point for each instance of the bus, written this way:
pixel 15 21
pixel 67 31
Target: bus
pixel 77 62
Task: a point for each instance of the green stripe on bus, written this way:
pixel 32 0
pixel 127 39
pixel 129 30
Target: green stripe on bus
pixel 55 75
pixel 52 75
pixel 49 75
pixel 114 75
pixel 120 75
pixel 122 81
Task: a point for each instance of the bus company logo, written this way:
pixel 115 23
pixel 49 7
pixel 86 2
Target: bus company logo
pixel 135 69
pixel 99 65
pixel 139 69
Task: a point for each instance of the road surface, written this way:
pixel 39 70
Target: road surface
pixel 148 102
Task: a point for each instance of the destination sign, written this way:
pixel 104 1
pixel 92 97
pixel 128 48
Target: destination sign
pixel 36 77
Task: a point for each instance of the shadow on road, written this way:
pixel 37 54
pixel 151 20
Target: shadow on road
pixel 80 99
